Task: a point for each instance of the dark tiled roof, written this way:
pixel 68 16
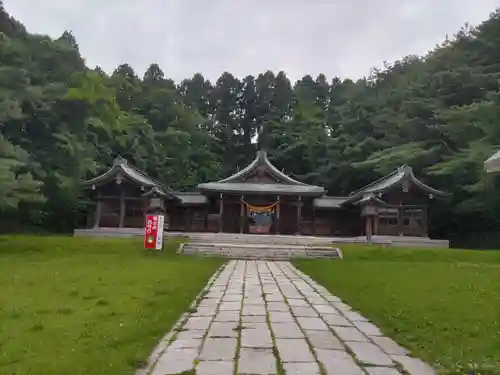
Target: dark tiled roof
pixel 492 164
pixel 329 202
pixel 403 173
pixel 284 185
pixel 191 198
pixel 263 188
pixel 129 171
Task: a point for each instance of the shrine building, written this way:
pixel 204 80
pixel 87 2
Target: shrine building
pixel 262 199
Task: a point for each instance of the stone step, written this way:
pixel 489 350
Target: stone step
pixel 257 246
pixel 408 241
pixel 258 239
pixel 247 251
pixel 268 238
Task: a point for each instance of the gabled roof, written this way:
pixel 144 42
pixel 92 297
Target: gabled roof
pixel 492 164
pixel 120 165
pixel 397 177
pixel 283 185
pixel 261 159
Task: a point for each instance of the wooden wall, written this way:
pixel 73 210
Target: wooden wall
pixel 202 218
pixel 337 222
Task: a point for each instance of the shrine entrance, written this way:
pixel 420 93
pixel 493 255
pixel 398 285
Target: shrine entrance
pixel 260 219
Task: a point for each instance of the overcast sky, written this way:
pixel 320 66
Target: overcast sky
pixel 336 37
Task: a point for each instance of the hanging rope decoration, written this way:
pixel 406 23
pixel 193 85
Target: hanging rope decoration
pixel 260 209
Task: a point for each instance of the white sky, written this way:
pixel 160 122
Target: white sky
pixel 343 38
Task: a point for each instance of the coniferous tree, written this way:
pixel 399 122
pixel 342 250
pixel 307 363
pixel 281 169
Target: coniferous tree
pixel 61 121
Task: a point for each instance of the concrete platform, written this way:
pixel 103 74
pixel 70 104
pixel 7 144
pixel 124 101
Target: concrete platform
pixel 395 241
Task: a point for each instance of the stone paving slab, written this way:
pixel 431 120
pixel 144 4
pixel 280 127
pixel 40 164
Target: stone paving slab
pixel 215 368
pixel 174 361
pixel 389 346
pixel 227 316
pixel 337 320
pixel 257 315
pixel 304 311
pixel 350 334
pixel 369 353
pixel 297 368
pixel 223 329
pixel 257 361
pixel 338 362
pixel 379 370
pixel 286 330
pixel 312 323
pixel 218 349
pixel 324 340
pixel 257 337
pixel 294 350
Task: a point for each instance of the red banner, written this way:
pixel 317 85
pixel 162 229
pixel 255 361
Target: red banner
pixel 153 236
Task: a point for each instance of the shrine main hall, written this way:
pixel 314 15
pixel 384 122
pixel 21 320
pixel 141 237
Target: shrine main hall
pixel 262 199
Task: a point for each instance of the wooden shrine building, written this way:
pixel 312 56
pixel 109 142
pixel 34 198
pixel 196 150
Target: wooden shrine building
pixel 262 199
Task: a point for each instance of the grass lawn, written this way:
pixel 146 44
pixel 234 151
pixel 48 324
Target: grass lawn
pixel 442 304
pixel 89 306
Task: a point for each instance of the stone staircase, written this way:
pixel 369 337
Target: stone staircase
pixel 295 242
pixel 259 250
pixel 267 239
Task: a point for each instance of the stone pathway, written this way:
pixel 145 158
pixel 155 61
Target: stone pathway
pixel 263 317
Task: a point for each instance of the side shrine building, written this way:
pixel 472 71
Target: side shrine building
pixel 262 199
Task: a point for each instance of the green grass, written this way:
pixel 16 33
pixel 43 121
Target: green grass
pixel 442 304
pixel 89 306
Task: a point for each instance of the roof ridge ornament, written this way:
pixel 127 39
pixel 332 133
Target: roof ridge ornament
pixel 120 161
pixel 261 159
pixel 404 168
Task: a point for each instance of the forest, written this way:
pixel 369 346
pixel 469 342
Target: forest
pixel 62 122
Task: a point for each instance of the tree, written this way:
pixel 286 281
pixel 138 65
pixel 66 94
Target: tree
pixel 438 113
pixel 17 184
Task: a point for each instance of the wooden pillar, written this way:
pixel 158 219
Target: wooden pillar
pixel 166 214
pixel 206 219
pixel 313 220
pixel 375 225
pixel 242 212
pixel 122 208
pixel 400 217
pixel 368 229
pixel 186 219
pixel 98 212
pixel 400 221
pixel 278 214
pixel 425 222
pixel 221 211
pixel 299 213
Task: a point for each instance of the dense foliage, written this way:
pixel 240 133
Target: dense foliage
pixel 62 122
